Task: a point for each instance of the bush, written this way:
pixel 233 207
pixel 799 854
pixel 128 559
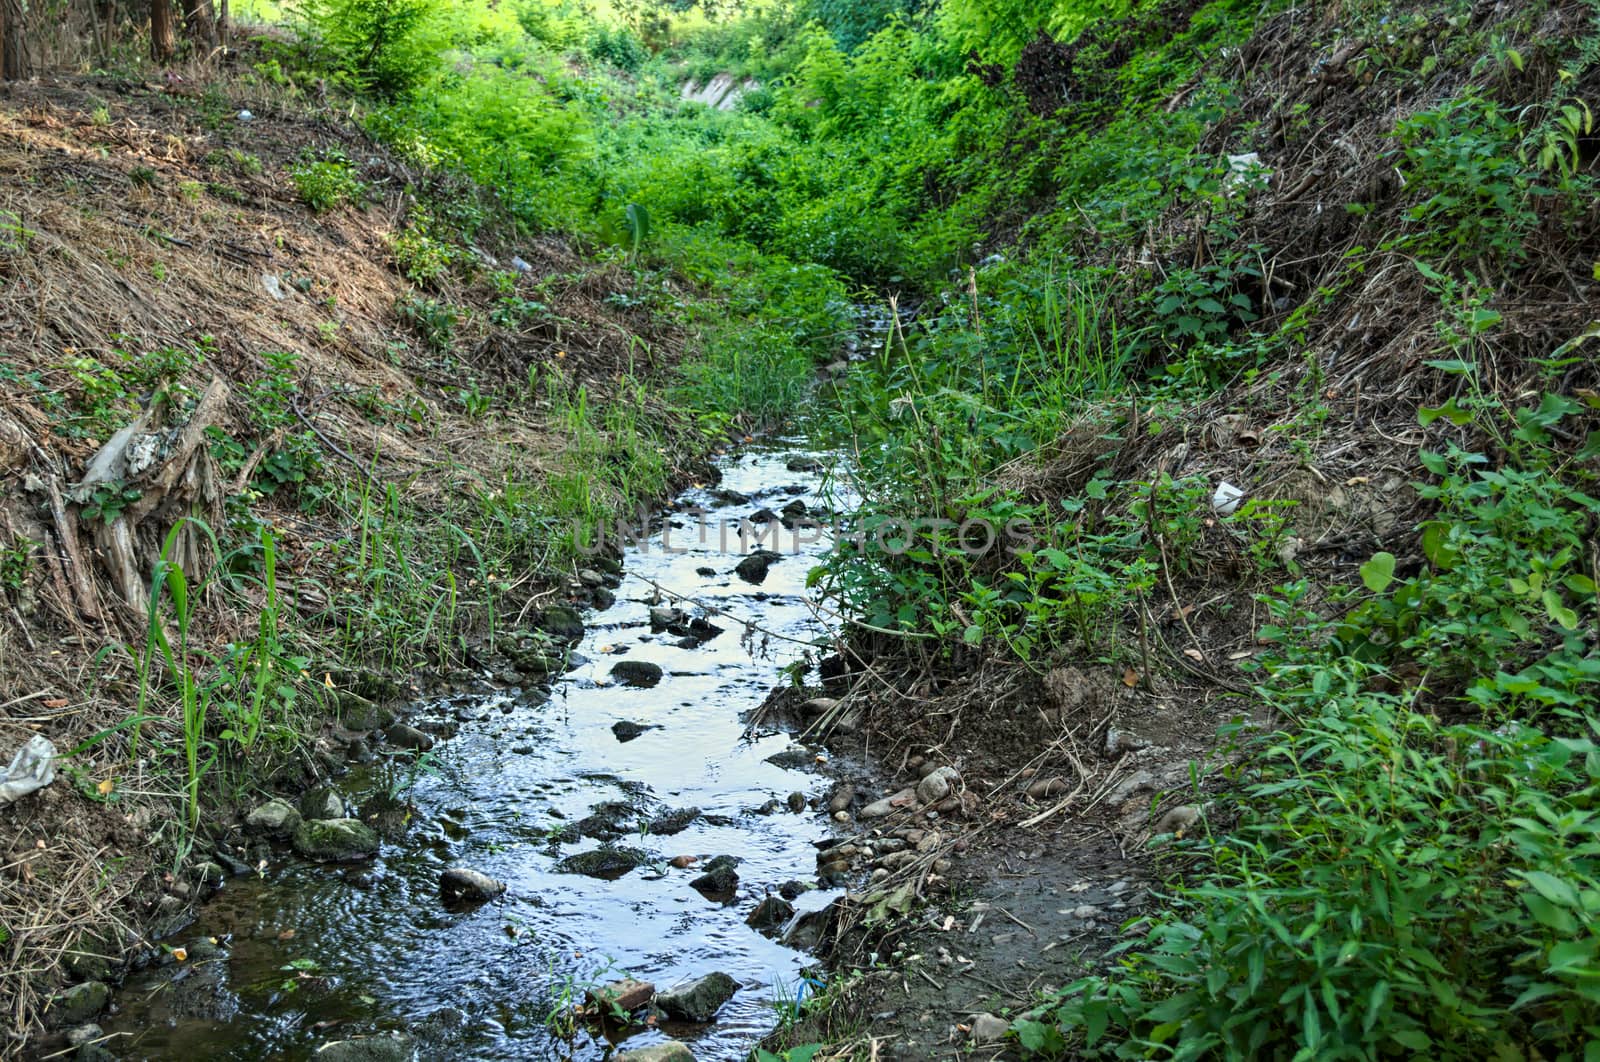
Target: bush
pixel 386 46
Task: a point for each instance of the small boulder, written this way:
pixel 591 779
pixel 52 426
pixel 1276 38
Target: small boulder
pixel 753 569
pixel 937 785
pixel 663 618
pixel 407 737
pixel 561 623
pixel 79 1004
pixel 988 1029
pixel 606 862
pixel 719 878
pixel 79 1035
pixel 698 1000
pixel 464 885
pixel 625 995
pixel 627 731
pixel 276 819
pixel 670 822
pixel 772 913
pixel 639 673
pixel 384 1047
pixel 1178 819
pixel 335 840
pixel 796 802
pixel 890 804
pixel 841 798
pixel 671 1051
pixel 803 463
pixel 358 713
pixel 321 803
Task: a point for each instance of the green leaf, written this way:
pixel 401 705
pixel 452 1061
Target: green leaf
pixel 1552 888
pixel 1450 411
pixel 1378 572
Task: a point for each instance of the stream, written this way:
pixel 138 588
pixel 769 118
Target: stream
pixel 302 954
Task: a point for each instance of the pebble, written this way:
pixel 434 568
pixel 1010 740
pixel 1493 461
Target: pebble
pixel 1042 788
pixel 797 802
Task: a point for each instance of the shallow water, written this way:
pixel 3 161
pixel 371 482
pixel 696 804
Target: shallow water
pixel 385 954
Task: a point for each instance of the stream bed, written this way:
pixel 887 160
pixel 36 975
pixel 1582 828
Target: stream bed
pixel 302 954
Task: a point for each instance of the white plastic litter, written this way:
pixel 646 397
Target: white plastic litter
pixel 33 767
pixel 1227 498
pixel 1245 172
pixel 245 116
pixel 520 266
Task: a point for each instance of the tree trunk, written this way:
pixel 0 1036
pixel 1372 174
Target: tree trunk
pixel 13 47
pixel 200 23
pixel 163 37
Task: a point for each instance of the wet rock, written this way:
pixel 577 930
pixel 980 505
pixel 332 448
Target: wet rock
pixel 232 865
pixel 639 673
pixel 698 1000
pixel 794 759
pixel 791 889
pixel 816 707
pixel 625 995
pixel 462 884
pixel 988 1029
pixel 671 822
pixel 719 878
pixel 533 658
pixel 890 804
pixel 763 516
pixel 358 751
pixel 79 1035
pixel 402 736
pixel 210 874
pixel 753 569
pixel 561 623
pixel 772 913
pixel 609 820
pixel 602 598
pixel 335 840
pixel 627 731
pixel 795 514
pixel 937 785
pixel 79 1004
pixel 1043 788
pixel 321 803
pixel 591 578
pixel 607 862
pixel 730 497
pixel 803 463
pixel 384 1047
pixel 807 932
pixel 663 618
pixel 358 713
pixel 276 819
pixel 705 573
pixel 797 802
pixel 672 1051
pixel 1178 819
pixel 841 798
pixel 683 862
